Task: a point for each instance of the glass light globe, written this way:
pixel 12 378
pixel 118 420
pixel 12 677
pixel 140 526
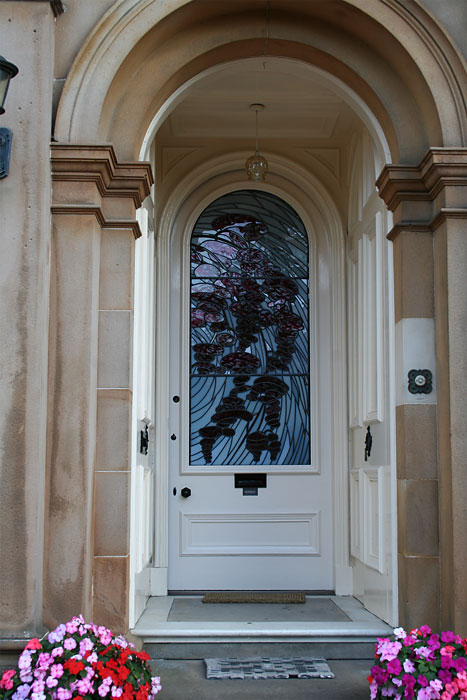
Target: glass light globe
pixel 256 167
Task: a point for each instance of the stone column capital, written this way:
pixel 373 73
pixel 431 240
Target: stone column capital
pixel 89 179
pixel 422 196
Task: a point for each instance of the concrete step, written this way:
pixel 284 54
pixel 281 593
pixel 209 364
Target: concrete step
pixel 349 649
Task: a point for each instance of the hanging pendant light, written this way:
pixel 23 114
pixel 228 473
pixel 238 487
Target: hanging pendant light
pixel 256 166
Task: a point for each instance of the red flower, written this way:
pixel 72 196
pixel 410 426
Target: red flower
pixel 143 655
pixel 74 666
pixel 33 644
pixel 124 654
pixel 123 673
pixel 370 679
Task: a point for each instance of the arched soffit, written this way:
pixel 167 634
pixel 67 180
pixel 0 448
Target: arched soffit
pixel 399 61
pixel 290 181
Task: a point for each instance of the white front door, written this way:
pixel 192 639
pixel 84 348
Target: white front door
pixel 250 426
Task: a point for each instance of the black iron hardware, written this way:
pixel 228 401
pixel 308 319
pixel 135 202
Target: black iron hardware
pixel 176 399
pixel 250 480
pixel 5 150
pixel 144 441
pixel 185 492
pixel 420 381
pixel 174 491
pixel 173 436
pixel 368 443
pixel 250 483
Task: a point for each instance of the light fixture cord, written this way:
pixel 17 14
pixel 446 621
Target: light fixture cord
pixel 256 112
pixel 266 33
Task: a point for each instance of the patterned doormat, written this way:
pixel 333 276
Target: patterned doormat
pixel 283 597
pixel 267 668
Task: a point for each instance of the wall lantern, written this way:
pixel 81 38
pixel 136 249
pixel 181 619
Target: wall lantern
pixel 7 72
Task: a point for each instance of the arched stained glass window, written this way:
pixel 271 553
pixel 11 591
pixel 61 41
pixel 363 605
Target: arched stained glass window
pixel 250 356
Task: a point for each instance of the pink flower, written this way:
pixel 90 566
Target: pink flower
pixel 400 633
pixel 394 667
pixel 6 680
pixel 72 626
pixel 24 661
pixel 25 675
pixel 85 644
pixel 409 641
pixel 459 664
pixel 56 671
pixel 51 682
pixel 425 652
pixel 373 690
pixel 389 650
pixel 116 692
pixel 63 694
pixel 57 635
pixel 58 651
pixel 69 643
pixel 444 676
pixel 103 689
pixel 44 660
pixel 38 686
pixel 425 630
pixel 84 686
pixel 409 667
pixel 446 650
pixel 448 637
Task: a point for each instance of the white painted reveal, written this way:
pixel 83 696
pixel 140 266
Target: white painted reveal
pixel 415 349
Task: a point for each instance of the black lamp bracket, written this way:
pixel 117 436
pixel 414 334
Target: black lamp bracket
pixel 5 149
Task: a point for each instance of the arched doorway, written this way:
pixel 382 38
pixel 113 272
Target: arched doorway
pixel 181 199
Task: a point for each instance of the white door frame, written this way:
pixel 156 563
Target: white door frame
pixel 313 203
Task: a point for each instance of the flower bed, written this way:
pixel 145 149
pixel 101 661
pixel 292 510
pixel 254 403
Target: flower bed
pixel 421 665
pixel 82 661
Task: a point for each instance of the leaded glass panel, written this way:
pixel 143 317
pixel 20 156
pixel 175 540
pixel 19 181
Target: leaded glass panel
pixel 250 358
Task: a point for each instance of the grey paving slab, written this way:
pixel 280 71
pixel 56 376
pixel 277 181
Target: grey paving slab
pixel 183 679
pixel 313 610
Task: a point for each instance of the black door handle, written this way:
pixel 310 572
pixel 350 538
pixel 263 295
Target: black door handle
pixel 185 492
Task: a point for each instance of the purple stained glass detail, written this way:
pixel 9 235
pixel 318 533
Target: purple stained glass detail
pixel 250 360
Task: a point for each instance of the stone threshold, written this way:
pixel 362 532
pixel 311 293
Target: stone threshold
pixel 154 626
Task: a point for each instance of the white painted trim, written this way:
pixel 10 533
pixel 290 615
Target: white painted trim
pixel 394 619
pixel 158 581
pixel 373 517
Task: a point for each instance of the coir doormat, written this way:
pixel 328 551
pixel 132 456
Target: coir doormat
pixel 258 668
pixel 254 597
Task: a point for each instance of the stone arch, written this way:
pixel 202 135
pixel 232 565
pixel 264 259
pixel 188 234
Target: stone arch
pixel 399 61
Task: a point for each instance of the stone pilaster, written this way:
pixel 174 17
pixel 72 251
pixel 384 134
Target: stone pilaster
pixel 27 41
pixel 430 273
pixel 87 529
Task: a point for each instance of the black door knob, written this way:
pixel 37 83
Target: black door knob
pixel 185 492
